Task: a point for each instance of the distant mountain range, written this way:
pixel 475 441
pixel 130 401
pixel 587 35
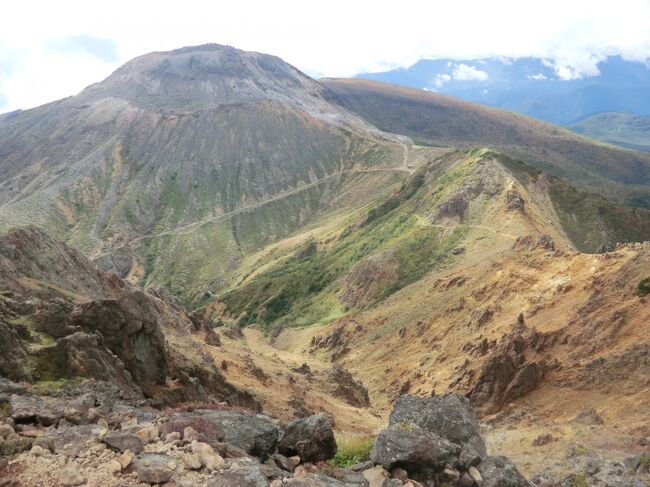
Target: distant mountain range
pixel 532 86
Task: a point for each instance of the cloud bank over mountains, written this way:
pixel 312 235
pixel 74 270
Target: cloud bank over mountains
pixel 49 50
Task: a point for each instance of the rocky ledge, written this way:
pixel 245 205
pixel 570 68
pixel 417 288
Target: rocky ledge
pixel 89 433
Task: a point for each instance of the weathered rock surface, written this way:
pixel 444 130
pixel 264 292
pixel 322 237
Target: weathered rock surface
pixel 417 452
pixel 153 468
pixel 208 431
pixel 507 374
pixel 347 388
pixel 82 322
pixel 311 438
pixel 499 471
pixel 122 441
pixel 256 434
pixel 450 417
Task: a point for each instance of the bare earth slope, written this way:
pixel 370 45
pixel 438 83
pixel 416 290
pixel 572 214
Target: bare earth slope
pixel 546 341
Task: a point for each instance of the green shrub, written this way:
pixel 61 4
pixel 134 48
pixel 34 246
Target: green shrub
pixel 580 480
pixel 643 289
pixel 351 450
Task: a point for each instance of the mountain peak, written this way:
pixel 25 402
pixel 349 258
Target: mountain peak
pixel 203 77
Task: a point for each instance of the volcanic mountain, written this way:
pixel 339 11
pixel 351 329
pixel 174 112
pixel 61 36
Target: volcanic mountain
pixel 478 253
pixel 180 162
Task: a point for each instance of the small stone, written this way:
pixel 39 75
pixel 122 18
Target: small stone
pixel 209 458
pixel 123 441
pixel 125 458
pixel 451 473
pixel 98 448
pixel 129 423
pixel 192 461
pixel 43 442
pixel 171 437
pixel 148 434
pixel 152 468
pixel 295 460
pixel 74 415
pixel 5 431
pixel 70 476
pixel 38 451
pixel 114 467
pixel 93 415
pixel 476 475
pixel 399 473
pixel 190 434
pixel 375 476
pixel 465 480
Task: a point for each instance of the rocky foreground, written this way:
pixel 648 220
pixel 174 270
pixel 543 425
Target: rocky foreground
pixel 92 434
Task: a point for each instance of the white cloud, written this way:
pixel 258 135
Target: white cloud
pixel 441 79
pixel 538 76
pixel 343 39
pixel 463 72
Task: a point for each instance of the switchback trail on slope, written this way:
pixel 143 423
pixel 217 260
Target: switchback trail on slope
pixel 191 227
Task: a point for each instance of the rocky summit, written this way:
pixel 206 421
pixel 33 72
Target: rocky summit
pixel 217 271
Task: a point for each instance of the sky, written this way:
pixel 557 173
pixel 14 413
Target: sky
pixel 50 50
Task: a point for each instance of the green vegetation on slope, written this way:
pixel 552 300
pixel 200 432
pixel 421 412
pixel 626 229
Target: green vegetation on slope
pixel 625 129
pixel 591 220
pixel 410 233
pixel 643 289
pixel 395 240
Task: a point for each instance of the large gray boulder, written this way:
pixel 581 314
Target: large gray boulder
pixel 449 416
pixel 499 471
pixel 311 438
pixel 256 434
pixel 122 441
pixel 25 409
pixel 208 431
pixel 418 452
pixel 152 468
pixel 246 476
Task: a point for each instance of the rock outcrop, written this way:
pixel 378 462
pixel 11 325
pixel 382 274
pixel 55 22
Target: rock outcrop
pixel 61 318
pixel 437 439
pixel 508 373
pixel 347 388
pixel 312 439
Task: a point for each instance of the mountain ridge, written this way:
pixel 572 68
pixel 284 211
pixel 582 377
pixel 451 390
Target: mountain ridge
pixel 533 86
pixel 436 119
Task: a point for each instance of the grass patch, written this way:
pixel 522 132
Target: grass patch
pixel 643 289
pixel 352 450
pixel 580 480
pixel 45 386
